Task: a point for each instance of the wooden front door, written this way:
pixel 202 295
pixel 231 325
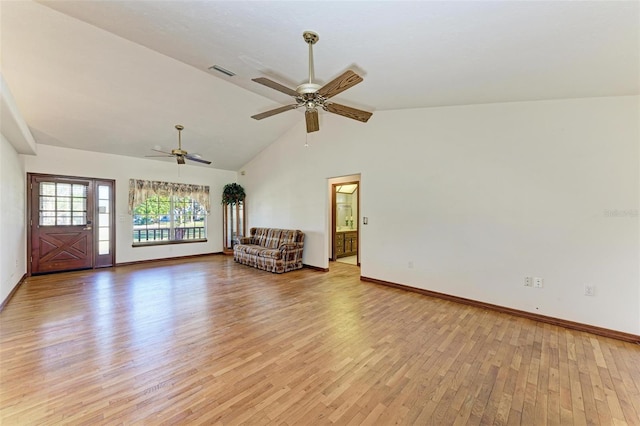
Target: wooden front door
pixel 62 224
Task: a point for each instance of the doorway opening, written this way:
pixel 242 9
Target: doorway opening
pixel 345 214
pixel 71 223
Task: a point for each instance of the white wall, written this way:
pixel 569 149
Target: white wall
pixel 477 197
pixel 71 162
pixel 12 217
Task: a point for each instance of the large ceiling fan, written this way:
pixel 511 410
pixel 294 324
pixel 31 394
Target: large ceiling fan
pixel 179 153
pixel 312 96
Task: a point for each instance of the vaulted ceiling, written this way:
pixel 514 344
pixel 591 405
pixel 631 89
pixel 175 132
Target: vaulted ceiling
pixel 116 76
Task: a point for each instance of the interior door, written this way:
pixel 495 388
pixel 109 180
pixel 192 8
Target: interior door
pixel 62 211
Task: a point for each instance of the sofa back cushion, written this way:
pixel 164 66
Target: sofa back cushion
pixel 259 236
pixel 273 237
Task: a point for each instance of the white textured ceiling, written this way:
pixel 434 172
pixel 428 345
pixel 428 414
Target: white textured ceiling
pixel 116 76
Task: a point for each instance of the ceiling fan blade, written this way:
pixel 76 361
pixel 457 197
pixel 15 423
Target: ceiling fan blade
pixel 312 121
pixel 157 156
pixel 340 84
pixel 276 86
pixel 180 159
pixel 274 112
pixel 159 150
pixel 356 114
pixel 199 160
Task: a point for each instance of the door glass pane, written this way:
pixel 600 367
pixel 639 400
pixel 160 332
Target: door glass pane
pixel 63 218
pixel 47 218
pixel 103 206
pixel 79 218
pixel 47 203
pixel 103 192
pixel 63 204
pixel 79 204
pixel 47 188
pixel 63 189
pixel 79 190
pixel 103 247
pixel 104 219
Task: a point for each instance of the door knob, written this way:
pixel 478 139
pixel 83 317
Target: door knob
pixel 88 228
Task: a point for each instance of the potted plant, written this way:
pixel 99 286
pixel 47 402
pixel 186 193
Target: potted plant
pixel 233 196
pixel 232 193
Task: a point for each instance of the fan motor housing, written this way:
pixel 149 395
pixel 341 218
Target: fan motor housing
pixel 310 37
pixel 308 88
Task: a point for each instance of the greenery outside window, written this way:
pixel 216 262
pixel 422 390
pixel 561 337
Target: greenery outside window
pixel 168 219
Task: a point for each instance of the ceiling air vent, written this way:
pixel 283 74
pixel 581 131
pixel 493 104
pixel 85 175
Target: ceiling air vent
pixel 222 70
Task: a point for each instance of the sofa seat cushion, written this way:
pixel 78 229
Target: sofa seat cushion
pixel 257 250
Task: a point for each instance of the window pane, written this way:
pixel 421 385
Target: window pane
pixel 63 204
pixel 103 247
pixel 140 219
pixel 103 192
pixel 47 188
pixel 63 189
pixel 164 207
pixel 103 219
pixel 47 203
pixel 163 219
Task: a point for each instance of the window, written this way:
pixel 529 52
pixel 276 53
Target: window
pixel 165 219
pixel 62 204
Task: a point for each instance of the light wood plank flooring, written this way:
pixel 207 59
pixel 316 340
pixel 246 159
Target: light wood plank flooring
pixel 208 341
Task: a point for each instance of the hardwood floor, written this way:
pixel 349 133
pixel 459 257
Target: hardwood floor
pixel 207 341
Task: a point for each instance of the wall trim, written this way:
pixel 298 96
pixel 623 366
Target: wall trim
pixel 12 292
pixel 137 262
pixel 315 268
pixel 605 332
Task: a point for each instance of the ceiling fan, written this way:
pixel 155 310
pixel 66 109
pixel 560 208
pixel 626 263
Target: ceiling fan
pixel 179 153
pixel 312 96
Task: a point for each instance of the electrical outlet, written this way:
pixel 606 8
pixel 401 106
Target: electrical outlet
pixel 538 282
pixel 528 281
pixel 589 290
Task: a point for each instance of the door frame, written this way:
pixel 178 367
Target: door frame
pixel 333 257
pixel 97 261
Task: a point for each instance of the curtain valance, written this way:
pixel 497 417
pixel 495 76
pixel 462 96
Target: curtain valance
pixel 140 190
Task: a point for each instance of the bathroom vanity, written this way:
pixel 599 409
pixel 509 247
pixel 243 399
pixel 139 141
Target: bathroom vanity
pixel 346 243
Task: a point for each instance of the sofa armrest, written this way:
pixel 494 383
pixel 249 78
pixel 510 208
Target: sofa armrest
pixel 291 251
pixel 244 240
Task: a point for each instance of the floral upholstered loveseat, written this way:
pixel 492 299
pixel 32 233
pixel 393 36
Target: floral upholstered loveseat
pixel 271 249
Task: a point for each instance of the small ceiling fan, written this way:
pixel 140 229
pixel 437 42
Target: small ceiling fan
pixel 179 153
pixel 312 96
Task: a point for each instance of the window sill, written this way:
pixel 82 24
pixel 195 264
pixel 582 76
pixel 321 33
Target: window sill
pixel 166 243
